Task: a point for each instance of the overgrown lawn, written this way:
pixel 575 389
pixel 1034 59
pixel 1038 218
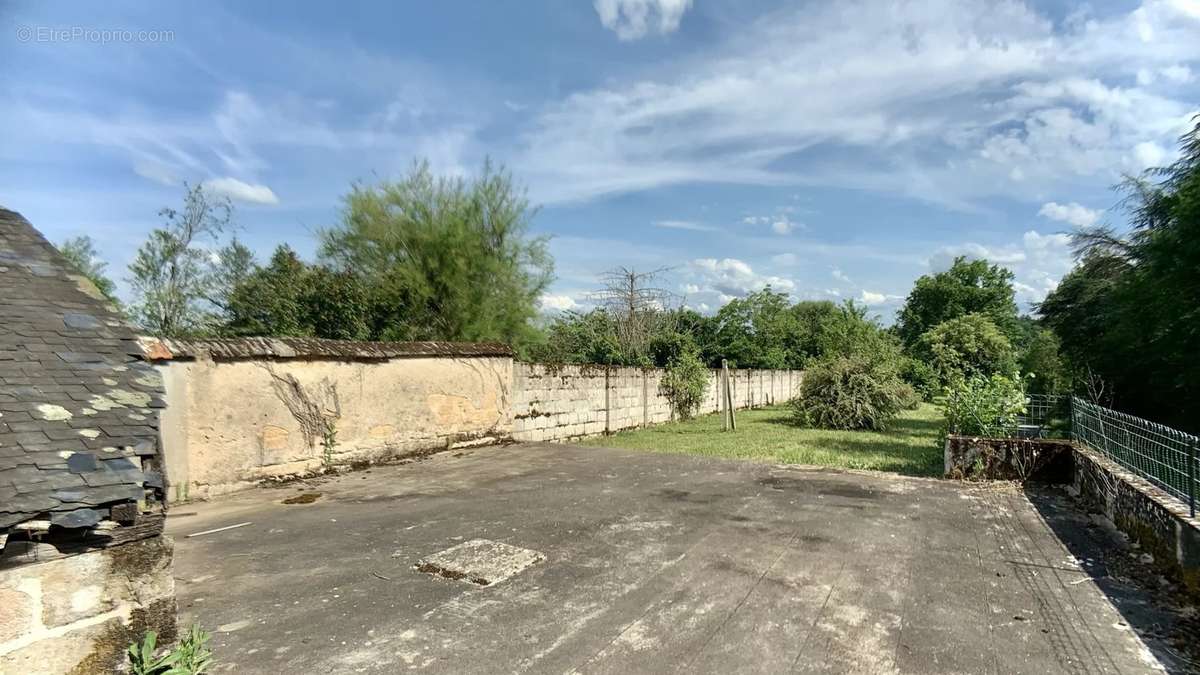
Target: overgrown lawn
pixel 909 446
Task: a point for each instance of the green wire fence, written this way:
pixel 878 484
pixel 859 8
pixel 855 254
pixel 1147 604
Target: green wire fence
pixel 1164 456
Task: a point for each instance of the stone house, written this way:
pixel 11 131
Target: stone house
pixel 84 568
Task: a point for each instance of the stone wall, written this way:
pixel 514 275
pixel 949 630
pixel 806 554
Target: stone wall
pixel 241 411
pixel 1042 459
pixel 77 614
pixel 232 422
pixel 560 403
pixel 1160 523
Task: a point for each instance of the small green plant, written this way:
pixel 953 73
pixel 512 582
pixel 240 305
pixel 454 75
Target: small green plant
pixel 983 406
pixel 328 438
pixel 684 383
pixel 190 657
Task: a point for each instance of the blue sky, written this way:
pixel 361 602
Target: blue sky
pixel 832 150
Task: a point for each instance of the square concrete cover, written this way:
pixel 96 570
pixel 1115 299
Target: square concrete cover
pixel 480 561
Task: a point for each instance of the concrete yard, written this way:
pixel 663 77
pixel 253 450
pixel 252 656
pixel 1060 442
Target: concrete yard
pixel 612 561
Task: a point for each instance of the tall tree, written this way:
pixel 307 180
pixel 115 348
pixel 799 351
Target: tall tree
pixel 443 258
pixel 171 273
pixel 234 264
pixel 80 252
pixel 1129 314
pixel 967 346
pixel 291 298
pixel 968 287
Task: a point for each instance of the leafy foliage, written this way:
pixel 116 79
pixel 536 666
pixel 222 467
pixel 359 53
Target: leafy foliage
pixel 762 330
pixel 982 406
pixel 966 346
pixel 80 252
pixel 581 337
pixel 171 274
pixel 850 392
pixel 685 382
pixel 292 298
pixel 443 258
pixel 1043 365
pixel 968 287
pixel 1129 314
pixel 191 657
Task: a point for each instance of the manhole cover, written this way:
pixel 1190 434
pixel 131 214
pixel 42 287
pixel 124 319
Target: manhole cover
pixel 480 561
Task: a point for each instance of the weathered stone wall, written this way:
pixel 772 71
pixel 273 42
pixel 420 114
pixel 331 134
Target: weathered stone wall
pixel 560 403
pixel 1160 523
pixel 1043 459
pixel 232 423
pixel 77 614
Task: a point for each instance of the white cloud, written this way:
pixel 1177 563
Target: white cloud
pixel 1037 263
pixel 1177 73
pixel 1073 213
pixel 558 303
pixel 945 101
pixel 781 223
pixel 633 19
pixel 943 258
pixel 156 172
pixel 239 191
pixel 732 278
pixel 683 225
pixel 1149 154
pixel 840 276
pixel 872 299
pixel 784 225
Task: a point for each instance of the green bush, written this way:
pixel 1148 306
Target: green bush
pixel 968 346
pixel 984 406
pixel 910 399
pixel 685 382
pixel 851 392
pixel 921 377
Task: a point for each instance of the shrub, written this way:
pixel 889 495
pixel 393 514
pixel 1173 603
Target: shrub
pixel 967 346
pixel 909 398
pixel 984 406
pixel 921 377
pixel 685 382
pixel 850 392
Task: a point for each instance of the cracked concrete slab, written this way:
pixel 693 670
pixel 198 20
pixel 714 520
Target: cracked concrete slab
pixel 480 561
pixel 653 563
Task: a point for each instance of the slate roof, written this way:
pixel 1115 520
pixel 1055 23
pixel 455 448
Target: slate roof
pixel 219 349
pixel 78 403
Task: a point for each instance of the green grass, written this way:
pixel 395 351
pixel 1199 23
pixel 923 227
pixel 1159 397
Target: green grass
pixel 909 446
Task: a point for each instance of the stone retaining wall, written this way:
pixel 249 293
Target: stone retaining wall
pixel 1160 523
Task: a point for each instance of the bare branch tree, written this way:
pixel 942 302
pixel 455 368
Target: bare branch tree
pixel 637 303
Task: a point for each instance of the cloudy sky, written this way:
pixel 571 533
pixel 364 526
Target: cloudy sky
pixel 831 150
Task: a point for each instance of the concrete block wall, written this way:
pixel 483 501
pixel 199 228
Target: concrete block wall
pixel 567 402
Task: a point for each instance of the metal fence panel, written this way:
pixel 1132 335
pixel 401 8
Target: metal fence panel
pixel 1162 455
